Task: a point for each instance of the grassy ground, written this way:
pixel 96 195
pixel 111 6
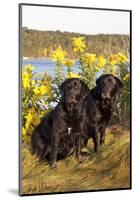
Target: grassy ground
pixel 110 168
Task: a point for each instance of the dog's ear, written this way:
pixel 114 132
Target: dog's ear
pixel 62 87
pixel 85 89
pixel 119 83
pixel 98 80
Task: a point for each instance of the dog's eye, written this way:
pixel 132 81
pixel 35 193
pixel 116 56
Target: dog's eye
pixel 67 86
pixel 75 85
pixel 110 80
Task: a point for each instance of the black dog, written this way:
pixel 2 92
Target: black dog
pixel 61 132
pixel 99 104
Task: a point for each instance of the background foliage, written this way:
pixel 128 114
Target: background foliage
pixel 41 43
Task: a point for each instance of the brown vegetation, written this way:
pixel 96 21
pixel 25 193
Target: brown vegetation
pixel 108 169
pixel 41 43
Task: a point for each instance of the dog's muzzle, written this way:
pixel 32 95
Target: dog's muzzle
pixel 105 96
pixel 70 99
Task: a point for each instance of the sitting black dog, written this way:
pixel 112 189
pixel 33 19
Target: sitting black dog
pixel 99 103
pixel 61 132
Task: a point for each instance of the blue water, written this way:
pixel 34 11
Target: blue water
pixel 46 65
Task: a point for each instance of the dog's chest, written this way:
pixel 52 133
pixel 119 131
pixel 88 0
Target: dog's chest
pixel 73 123
pixel 103 116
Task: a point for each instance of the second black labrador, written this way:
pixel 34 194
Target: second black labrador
pixel 99 104
pixel 61 132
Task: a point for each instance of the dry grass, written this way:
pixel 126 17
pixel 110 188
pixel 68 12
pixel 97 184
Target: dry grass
pixel 108 169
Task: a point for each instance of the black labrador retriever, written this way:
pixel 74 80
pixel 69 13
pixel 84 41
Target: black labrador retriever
pixel 99 104
pixel 61 132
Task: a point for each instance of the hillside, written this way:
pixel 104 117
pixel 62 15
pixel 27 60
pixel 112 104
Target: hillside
pixel 108 169
pixel 37 43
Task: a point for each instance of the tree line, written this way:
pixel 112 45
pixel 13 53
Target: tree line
pixel 36 43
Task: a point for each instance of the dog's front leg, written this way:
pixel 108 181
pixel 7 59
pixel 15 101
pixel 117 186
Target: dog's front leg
pixel 102 136
pixel 54 149
pixel 95 139
pixel 78 147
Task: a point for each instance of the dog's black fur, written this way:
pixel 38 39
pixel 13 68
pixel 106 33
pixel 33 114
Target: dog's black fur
pixel 99 104
pixel 61 132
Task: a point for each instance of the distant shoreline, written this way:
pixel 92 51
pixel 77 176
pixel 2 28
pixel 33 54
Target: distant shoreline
pixel 40 44
pixel 75 33
pixel 41 58
pixel 36 58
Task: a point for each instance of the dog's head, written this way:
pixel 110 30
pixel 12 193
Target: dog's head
pixel 108 85
pixel 73 90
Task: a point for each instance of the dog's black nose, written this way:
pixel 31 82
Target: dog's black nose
pixel 105 95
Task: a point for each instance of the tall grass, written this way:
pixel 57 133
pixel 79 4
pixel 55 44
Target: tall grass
pixel 108 169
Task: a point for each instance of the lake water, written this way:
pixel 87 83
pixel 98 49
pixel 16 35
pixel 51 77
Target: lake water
pixel 46 65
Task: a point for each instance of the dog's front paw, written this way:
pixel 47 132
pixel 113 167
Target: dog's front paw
pixel 79 158
pixel 53 165
pixel 97 148
pixel 102 143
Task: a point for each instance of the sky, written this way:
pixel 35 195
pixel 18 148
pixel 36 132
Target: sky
pixel 76 20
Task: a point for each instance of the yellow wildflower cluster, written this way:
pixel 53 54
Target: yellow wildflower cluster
pixel 41 90
pixel 117 59
pixel 40 86
pixel 89 58
pixel 36 94
pixel 127 77
pixel 78 44
pixel 26 76
pixel 113 59
pixel 122 58
pixel 72 75
pixel 31 120
pixel 59 55
pixel 101 61
pixel 69 62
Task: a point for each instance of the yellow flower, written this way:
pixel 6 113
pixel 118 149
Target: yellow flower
pixel 26 79
pixel 79 44
pixel 122 58
pixel 23 131
pixel 89 58
pixel 101 61
pixel 69 63
pixel 36 90
pixel 33 82
pixel 28 120
pixel 59 55
pixel 97 69
pixel 39 81
pixel 43 89
pixel 30 68
pixel 28 117
pixel 27 76
pixel 31 119
pixel 117 59
pixel 126 78
pixel 113 59
pixel 72 75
